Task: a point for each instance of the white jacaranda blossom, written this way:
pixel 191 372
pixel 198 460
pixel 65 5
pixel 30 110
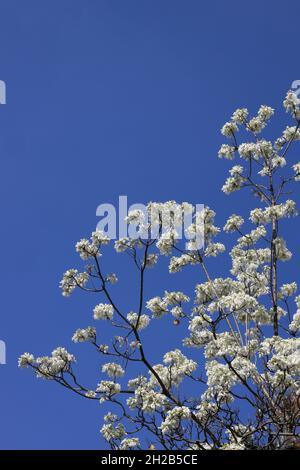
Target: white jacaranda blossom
pixel 126 243
pixel 234 223
pixel 214 249
pixel 174 419
pixel 100 238
pixel 140 322
pixel 129 443
pixel 233 446
pixel 296 169
pixel 86 249
pixel 237 387
pixel 281 250
pixel 265 112
pixel 294 326
pixel 275 212
pixel 287 290
pixel 49 367
pixel 167 241
pixel 291 133
pixel 291 104
pixel 72 279
pixel 252 237
pixel 113 370
pixel 162 305
pixel 25 360
pixel 103 312
pixel 229 129
pixel 255 125
pixel 235 181
pixel 226 151
pixel 103 348
pixel 110 417
pixel 179 262
pixel 135 216
pixel 107 389
pixel 112 432
pixel 111 278
pixel 240 115
pixel 158 306
pixel 249 150
pixel 146 399
pixel 151 260
pixel 84 334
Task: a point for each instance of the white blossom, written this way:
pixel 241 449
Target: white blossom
pixel 129 443
pixel 174 418
pixel 25 360
pixel 229 129
pixel 233 223
pixel 84 334
pixel 113 370
pixel 140 322
pixel 226 151
pixel 103 312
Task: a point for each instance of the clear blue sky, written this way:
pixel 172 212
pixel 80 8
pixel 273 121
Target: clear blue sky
pixel 109 97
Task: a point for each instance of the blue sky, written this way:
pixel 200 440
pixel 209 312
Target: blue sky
pixel 107 98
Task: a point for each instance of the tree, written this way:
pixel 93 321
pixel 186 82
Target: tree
pixel 244 326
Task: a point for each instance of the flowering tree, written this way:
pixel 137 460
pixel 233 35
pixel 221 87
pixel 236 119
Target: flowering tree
pixel 244 326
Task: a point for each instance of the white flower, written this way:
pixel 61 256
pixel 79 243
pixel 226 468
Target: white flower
pixel 296 169
pixel 279 211
pixel 229 129
pixel 214 249
pixel 100 238
pixel 108 388
pixel 291 133
pixel 151 260
pixel 240 115
pixel 295 323
pixel 233 223
pixel 84 334
pixel 72 279
pixel 235 181
pixel 248 150
pixel 265 112
pixel 140 322
pixel 111 432
pixel 129 443
pixel 103 348
pixel 125 243
pixel 281 250
pixel 226 151
pixel 86 249
pixel 174 418
pixel 167 241
pixel 25 360
pixel 103 312
pixel 288 290
pixel 113 370
pixel 112 278
pixel 110 417
pixel 157 306
pixel 256 125
pixel 291 103
pixel 233 446
pixel 60 361
pixel 146 399
pixel 252 237
pixel 178 262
